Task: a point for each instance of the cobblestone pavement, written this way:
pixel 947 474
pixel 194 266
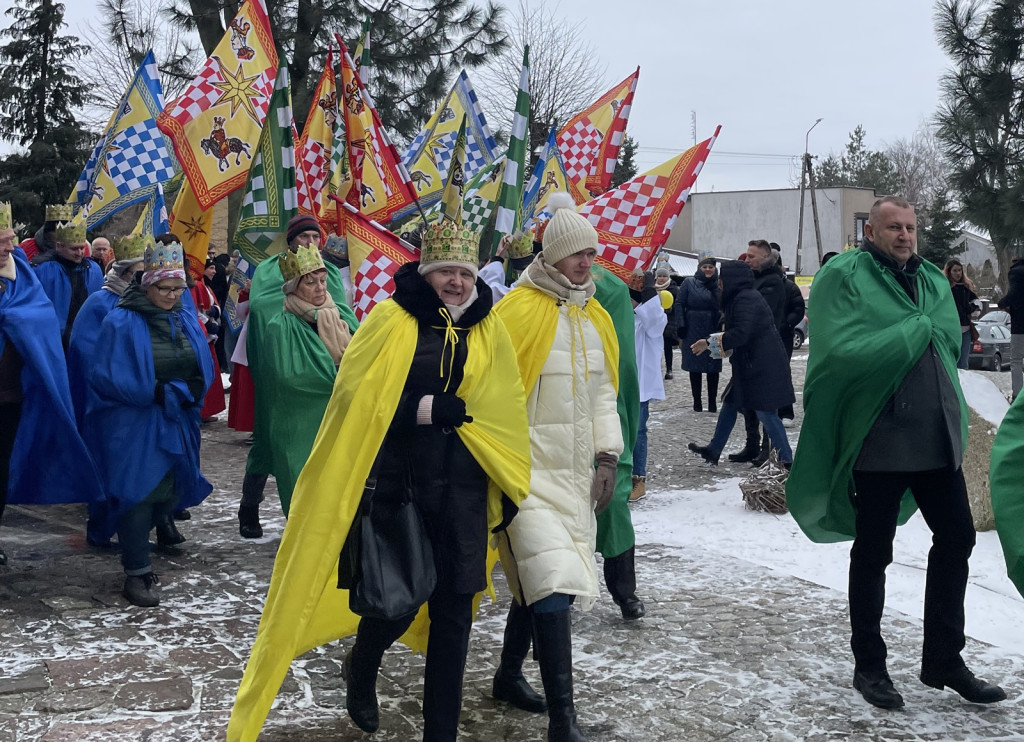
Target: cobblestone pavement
pixel 728 650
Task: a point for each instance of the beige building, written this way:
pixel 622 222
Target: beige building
pixel 724 222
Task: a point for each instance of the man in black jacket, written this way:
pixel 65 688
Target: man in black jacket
pixel 769 281
pixel 1013 302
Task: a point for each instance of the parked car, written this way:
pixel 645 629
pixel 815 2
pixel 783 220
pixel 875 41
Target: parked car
pixel 992 348
pixel 800 333
pixel 996 316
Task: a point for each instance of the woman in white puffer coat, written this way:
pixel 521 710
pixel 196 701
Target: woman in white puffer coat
pixel 568 358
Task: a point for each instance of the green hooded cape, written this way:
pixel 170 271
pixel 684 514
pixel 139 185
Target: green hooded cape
pixel 615 526
pixel 1005 477
pixel 866 335
pixel 293 375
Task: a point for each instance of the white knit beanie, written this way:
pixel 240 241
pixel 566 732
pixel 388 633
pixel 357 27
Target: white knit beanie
pixel 567 232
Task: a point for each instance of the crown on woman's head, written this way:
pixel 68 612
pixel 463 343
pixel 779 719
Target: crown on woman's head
pixel 161 257
pixel 303 260
pixel 521 244
pixel 448 242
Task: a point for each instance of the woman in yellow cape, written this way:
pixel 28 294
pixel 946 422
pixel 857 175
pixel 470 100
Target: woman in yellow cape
pixel 304 608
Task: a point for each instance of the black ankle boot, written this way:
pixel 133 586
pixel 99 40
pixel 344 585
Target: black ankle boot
pixel 361 692
pixel 705 453
pixel 553 645
pixel 749 453
pixel 697 406
pixel 762 454
pixel 509 684
pixel 167 534
pixel 249 521
pixel 620 579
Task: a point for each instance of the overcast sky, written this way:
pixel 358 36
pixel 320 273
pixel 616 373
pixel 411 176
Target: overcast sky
pixel 763 70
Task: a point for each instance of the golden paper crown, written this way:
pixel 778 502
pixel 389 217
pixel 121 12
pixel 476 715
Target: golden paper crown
pixel 60 212
pixel 449 243
pixel 300 262
pixel 70 233
pixel 538 228
pixel 6 220
pixel 521 244
pixel 132 246
pixel 160 257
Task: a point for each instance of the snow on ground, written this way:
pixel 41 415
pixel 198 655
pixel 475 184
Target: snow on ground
pixel 717 521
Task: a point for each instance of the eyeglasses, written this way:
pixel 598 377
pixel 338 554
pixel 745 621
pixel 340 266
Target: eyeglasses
pixel 170 290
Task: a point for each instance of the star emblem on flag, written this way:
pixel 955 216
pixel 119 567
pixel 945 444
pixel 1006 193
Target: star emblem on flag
pixel 238 90
pixel 192 227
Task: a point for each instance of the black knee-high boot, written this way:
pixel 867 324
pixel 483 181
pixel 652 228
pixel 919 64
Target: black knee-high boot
pixel 695 391
pixel 361 666
pixel 620 579
pixel 509 684
pixel 753 447
pixel 713 392
pixel 553 645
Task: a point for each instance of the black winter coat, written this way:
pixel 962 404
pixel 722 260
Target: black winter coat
pixel 760 368
pixel 771 284
pixel 796 309
pixel 1013 302
pixel 697 316
pixel 671 328
pixel 449 486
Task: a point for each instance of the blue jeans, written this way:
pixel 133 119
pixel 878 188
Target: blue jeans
pixel 772 426
pixel 553 603
pixel 640 449
pixel 134 526
pixel 965 349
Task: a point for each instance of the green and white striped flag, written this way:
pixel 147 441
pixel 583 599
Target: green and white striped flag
pixel 510 198
pixel 271 198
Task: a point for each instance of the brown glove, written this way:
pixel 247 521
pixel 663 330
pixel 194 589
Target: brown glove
pixel 603 486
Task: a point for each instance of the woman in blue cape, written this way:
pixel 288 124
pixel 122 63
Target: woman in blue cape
pixel 146 386
pixel 35 407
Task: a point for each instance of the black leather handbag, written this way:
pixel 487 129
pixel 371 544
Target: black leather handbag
pixel 387 562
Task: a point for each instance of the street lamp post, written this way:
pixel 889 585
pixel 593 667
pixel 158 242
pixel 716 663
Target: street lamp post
pixel 804 170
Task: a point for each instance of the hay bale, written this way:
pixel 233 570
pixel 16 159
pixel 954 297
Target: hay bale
pixel 765 489
pixel 976 460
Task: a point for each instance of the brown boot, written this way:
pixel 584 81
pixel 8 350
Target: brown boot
pixel 639 490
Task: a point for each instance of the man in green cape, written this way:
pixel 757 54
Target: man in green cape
pixel 884 416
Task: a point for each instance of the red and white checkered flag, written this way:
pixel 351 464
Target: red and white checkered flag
pixel 386 253
pixel 634 220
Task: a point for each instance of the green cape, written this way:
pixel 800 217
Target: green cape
pixel 615 525
pixel 866 336
pixel 1005 477
pixel 293 375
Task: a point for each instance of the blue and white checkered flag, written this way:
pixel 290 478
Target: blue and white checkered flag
pixel 138 157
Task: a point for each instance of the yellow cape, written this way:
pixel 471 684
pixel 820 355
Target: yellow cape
pixel 304 608
pixel 531 317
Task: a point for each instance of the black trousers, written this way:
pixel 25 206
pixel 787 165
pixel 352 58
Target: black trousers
pixel 669 345
pixel 941 495
pixel 10 416
pixel 451 618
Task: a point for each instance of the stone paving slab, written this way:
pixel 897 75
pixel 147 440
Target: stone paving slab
pixel 728 651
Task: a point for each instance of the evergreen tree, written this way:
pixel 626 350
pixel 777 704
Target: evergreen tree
pixel 981 118
pixel 39 95
pixel 625 168
pixel 943 227
pixel 39 90
pixel 417 48
pixel 859 167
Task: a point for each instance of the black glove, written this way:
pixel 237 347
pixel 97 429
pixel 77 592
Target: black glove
pixel 648 292
pixel 449 411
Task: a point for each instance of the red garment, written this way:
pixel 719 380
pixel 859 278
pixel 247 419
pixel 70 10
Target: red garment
pixel 29 246
pixel 242 401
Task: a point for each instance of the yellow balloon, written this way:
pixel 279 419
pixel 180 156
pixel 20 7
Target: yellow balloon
pixel 666 299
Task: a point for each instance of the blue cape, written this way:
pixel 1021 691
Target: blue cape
pixel 84 335
pixel 135 440
pixel 57 285
pixel 50 463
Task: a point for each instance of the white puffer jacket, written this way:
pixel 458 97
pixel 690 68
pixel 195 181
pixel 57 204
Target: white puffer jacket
pixel 573 415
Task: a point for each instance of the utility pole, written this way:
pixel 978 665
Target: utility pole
pixel 814 207
pixel 805 168
pixel 693 125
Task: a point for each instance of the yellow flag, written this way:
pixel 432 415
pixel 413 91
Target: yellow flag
pixel 192 224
